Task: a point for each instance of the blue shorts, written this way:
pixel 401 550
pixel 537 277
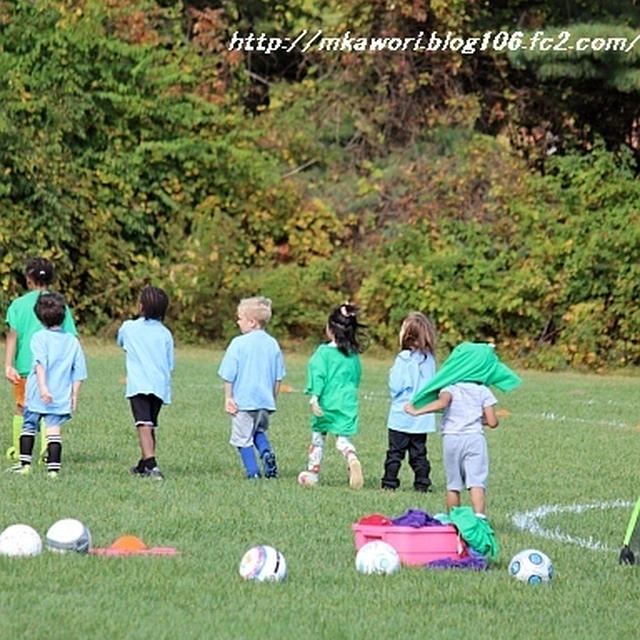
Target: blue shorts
pixel 466 460
pixel 31 423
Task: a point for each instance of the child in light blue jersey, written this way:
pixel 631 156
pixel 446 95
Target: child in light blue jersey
pixel 149 360
pixel 57 371
pixel 252 369
pixel 414 366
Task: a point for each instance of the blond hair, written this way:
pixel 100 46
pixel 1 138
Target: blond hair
pixel 417 333
pixel 256 308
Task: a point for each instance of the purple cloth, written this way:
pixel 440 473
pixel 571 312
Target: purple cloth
pixel 473 561
pixel 415 518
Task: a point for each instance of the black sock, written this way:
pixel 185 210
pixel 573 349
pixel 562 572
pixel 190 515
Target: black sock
pixel 140 465
pixel 149 463
pixel 54 453
pixel 26 447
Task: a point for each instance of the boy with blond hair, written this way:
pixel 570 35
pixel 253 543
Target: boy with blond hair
pixel 252 369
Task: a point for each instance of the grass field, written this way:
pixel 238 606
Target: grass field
pixel 569 443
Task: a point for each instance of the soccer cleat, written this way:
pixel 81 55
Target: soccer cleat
pixel 356 480
pixel 11 453
pixel 21 469
pixel 270 466
pixel 135 471
pixel 154 473
pixel 52 474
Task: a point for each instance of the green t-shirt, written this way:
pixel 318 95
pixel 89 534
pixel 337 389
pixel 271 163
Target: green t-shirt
pixel 334 378
pixel 22 318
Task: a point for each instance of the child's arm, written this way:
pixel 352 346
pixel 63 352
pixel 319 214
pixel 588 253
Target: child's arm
pixel 437 405
pixel 230 405
pixel 41 375
pixel 9 354
pixel 75 388
pixel 276 388
pixel 489 416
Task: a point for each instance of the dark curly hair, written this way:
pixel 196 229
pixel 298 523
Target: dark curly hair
pixel 346 330
pixel 40 271
pixel 50 309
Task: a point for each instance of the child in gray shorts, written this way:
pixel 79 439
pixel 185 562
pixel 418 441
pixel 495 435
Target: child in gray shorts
pixel 467 407
pixel 460 389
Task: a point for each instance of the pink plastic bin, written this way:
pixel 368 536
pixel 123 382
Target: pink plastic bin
pixel 415 545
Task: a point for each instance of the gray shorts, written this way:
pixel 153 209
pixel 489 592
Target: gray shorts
pixel 245 424
pixel 466 461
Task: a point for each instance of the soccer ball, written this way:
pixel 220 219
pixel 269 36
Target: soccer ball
pixel 308 478
pixel 377 556
pixel 20 540
pixel 68 535
pixel 531 566
pixel 264 564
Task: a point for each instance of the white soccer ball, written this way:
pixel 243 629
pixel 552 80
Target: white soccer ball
pixel 377 556
pixel 531 566
pixel 264 564
pixel 308 478
pixel 20 540
pixel 68 535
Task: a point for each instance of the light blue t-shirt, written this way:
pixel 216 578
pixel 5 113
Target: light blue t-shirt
pixel 411 370
pixel 149 348
pixel 61 356
pixel 253 364
pixel 465 411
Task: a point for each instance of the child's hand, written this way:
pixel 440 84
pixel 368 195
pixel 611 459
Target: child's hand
pixel 230 406
pixel 45 395
pixel 74 403
pixel 12 375
pixel 410 409
pixel 315 407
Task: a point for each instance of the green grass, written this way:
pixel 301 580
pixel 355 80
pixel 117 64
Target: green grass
pixel 569 439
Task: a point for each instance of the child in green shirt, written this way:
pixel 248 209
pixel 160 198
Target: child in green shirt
pixel 23 323
pixel 333 378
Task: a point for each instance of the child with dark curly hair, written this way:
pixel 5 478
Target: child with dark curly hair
pixel 333 378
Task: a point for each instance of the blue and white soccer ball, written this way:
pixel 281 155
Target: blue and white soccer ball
pixel 68 534
pixel 264 564
pixel 377 556
pixel 531 566
pixel 19 540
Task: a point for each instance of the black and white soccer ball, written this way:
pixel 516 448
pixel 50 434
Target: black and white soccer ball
pixel 68 534
pixel 531 566
pixel 264 564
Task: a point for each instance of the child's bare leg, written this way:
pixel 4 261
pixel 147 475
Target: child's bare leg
pixel 477 496
pixel 453 499
pixel 346 448
pixel 147 441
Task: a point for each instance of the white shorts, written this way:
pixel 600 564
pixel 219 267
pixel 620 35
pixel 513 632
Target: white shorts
pixel 244 425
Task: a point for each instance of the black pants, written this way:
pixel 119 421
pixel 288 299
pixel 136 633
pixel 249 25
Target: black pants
pixel 416 445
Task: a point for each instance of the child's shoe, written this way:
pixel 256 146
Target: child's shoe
pixel 21 469
pixel 154 473
pixel 138 470
pixel 12 454
pixel 356 480
pixel 253 476
pixel 53 474
pixel 270 466
pixel 423 487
